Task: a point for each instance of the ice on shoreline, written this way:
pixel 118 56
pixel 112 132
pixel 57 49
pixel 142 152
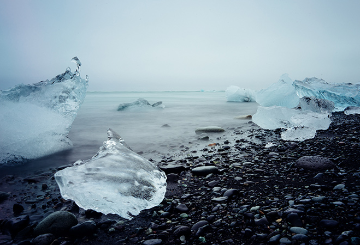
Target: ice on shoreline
pixel 116 180
pixel 35 119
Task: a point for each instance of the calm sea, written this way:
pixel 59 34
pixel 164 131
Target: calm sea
pixel 143 128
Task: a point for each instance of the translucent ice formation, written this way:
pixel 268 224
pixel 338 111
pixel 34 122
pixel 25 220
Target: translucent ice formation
pixel 140 103
pixel 316 105
pixel 342 94
pixel 281 93
pixel 299 125
pixel 35 119
pixel 116 180
pixel 236 94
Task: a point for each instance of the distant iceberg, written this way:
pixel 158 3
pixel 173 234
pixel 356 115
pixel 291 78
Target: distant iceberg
pixel 116 180
pixel 236 94
pixel 35 119
pixel 281 93
pixel 140 103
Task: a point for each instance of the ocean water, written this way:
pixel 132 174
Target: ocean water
pixel 143 128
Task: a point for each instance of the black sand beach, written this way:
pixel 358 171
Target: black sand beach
pixel 243 193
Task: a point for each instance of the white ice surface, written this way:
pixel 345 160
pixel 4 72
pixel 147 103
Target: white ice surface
pixel 116 180
pixel 35 119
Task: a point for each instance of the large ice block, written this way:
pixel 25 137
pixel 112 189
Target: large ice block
pixel 281 93
pixel 116 180
pixel 35 119
pixel 342 94
pixel 300 124
pixel 316 105
pixel 236 94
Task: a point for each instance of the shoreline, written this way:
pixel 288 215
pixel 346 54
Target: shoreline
pixel 257 195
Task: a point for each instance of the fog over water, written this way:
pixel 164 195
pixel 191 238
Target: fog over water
pixel 180 45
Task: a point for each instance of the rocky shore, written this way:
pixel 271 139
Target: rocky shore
pixel 235 190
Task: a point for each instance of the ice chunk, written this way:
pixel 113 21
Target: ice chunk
pixel 281 93
pixel 299 124
pixel 316 105
pixel 77 62
pixel 342 94
pixel 116 180
pixel 140 103
pixel 35 119
pixel 236 94
pixel 352 110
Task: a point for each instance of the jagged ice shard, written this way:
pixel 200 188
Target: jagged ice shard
pixel 35 119
pixel 116 180
pixel 237 94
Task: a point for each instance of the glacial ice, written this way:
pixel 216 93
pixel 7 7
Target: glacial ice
pixel 116 180
pixel 140 103
pixel 35 119
pixel 342 94
pixel 299 125
pixel 281 93
pixel 236 94
pixel 316 105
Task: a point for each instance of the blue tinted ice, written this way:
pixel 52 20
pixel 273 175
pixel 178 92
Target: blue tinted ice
pixel 140 104
pixel 342 94
pixel 35 119
pixel 281 93
pixel 116 180
pixel 236 94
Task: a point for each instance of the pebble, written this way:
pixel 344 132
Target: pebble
pixel 44 239
pixel 204 170
pixel 182 208
pixel 87 228
pixel 57 223
pixel 299 230
pixel 152 242
pixel 328 224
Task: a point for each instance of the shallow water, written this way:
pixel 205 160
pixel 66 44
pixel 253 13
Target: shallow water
pixel 142 128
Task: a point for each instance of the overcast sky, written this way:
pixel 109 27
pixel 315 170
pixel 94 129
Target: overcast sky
pixel 180 44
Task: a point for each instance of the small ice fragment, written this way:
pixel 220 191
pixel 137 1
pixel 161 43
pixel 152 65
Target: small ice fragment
pixel 77 62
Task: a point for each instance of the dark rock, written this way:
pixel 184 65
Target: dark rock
pixel 14 225
pixel 294 220
pixel 87 228
pixel 261 222
pixel 314 163
pixel 231 192
pixel 57 223
pixel 17 208
pixel 198 225
pixel 182 208
pixel 89 213
pixel 328 223
pixel 45 239
pixel 152 242
pixel 300 237
pixel 3 196
pixel 172 168
pixel 182 230
pixel 205 170
pixel 210 129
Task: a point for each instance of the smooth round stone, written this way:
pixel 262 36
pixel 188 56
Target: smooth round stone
pixel 182 208
pixel 209 129
pixel 198 225
pixel 294 219
pixel 152 242
pixel 87 228
pixel 314 163
pixel 299 230
pixel 219 199
pixel 57 223
pixel 328 223
pixel 204 170
pixel 339 187
pixel 285 240
pixel 300 237
pixel 318 199
pixel 275 238
pixel 255 208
